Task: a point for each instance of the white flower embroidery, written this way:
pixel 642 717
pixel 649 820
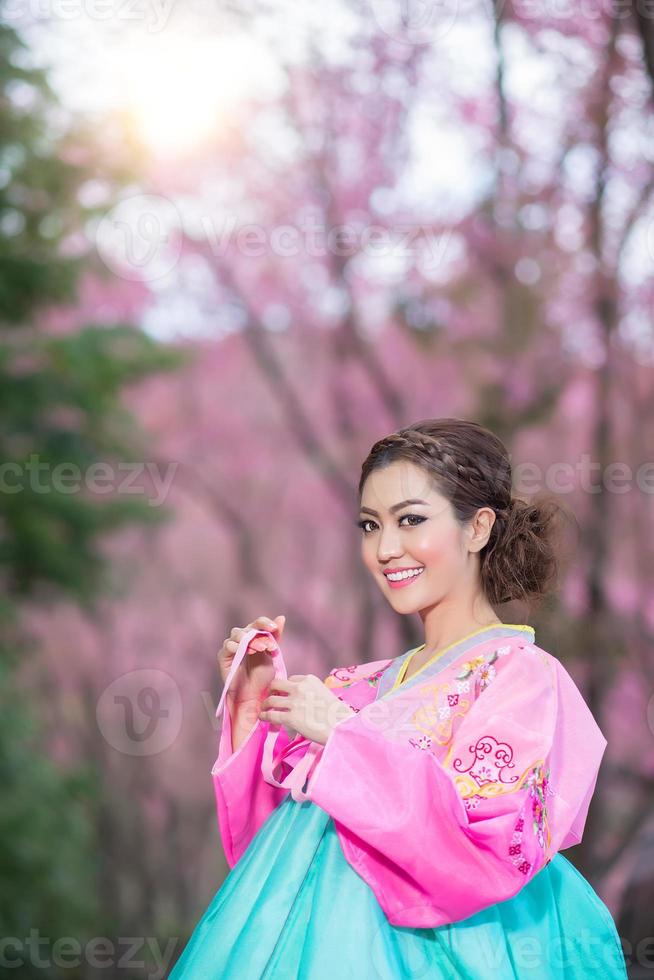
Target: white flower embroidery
pixel 463 687
pixel 502 651
pixel 444 712
pixel 423 742
pixel 486 673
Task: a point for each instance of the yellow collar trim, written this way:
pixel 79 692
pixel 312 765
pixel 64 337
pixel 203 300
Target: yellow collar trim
pixel 439 653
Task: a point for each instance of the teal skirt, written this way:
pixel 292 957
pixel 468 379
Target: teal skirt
pixel 292 908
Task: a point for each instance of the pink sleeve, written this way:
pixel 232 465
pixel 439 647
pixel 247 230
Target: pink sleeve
pixel 244 796
pixel 440 838
pixel 244 800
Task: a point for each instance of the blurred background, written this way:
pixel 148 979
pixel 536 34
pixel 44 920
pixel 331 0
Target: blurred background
pixel 238 244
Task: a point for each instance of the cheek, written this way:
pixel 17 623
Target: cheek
pixel 432 550
pixel 368 553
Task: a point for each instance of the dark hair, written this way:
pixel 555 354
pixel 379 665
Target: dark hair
pixel 469 465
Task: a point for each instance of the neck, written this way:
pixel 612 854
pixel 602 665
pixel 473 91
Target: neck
pixel 445 623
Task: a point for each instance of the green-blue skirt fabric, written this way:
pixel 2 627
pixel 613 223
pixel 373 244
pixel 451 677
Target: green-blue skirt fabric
pixel 292 908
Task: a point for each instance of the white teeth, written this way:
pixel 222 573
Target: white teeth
pixel 398 576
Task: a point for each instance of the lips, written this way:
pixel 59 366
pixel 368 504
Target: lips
pixel 406 568
pixel 401 583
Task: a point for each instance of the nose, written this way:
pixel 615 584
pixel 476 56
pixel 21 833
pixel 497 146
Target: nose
pixel 388 544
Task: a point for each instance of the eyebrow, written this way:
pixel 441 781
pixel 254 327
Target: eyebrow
pixel 395 507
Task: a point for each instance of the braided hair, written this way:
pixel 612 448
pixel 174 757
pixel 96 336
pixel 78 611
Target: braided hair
pixel 470 466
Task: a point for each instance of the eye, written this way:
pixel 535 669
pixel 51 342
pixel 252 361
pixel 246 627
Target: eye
pixel 414 517
pixel 362 525
pixel 417 518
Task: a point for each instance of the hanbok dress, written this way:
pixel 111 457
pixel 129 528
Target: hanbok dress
pixel 424 839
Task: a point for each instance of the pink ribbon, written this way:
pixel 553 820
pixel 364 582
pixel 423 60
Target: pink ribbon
pixel 299 773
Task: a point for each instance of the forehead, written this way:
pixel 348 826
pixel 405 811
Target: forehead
pixel 398 481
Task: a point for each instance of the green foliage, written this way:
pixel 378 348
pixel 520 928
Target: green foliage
pixel 47 867
pixel 61 413
pixel 38 205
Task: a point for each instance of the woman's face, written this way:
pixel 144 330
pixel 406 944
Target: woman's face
pixel 423 538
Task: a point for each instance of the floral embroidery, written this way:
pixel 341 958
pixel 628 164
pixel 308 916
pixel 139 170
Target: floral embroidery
pixel 445 703
pixel 515 849
pixel 346 676
pixel 490 760
pixel 436 716
pixel 341 675
pixel 423 742
pixel 469 666
pixel 539 787
pixel 482 667
pixel 436 719
pixel 486 674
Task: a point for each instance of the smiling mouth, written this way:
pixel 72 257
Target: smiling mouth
pixel 403 578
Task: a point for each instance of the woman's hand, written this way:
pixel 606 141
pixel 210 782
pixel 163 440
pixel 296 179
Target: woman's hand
pixel 256 670
pixel 305 704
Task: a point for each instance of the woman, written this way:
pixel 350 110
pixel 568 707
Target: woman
pixel 431 794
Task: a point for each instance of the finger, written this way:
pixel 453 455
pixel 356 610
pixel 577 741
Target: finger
pixel 276 701
pixel 265 622
pixel 274 715
pixel 259 643
pixel 297 677
pixel 281 684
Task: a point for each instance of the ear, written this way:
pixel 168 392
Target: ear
pixel 480 527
